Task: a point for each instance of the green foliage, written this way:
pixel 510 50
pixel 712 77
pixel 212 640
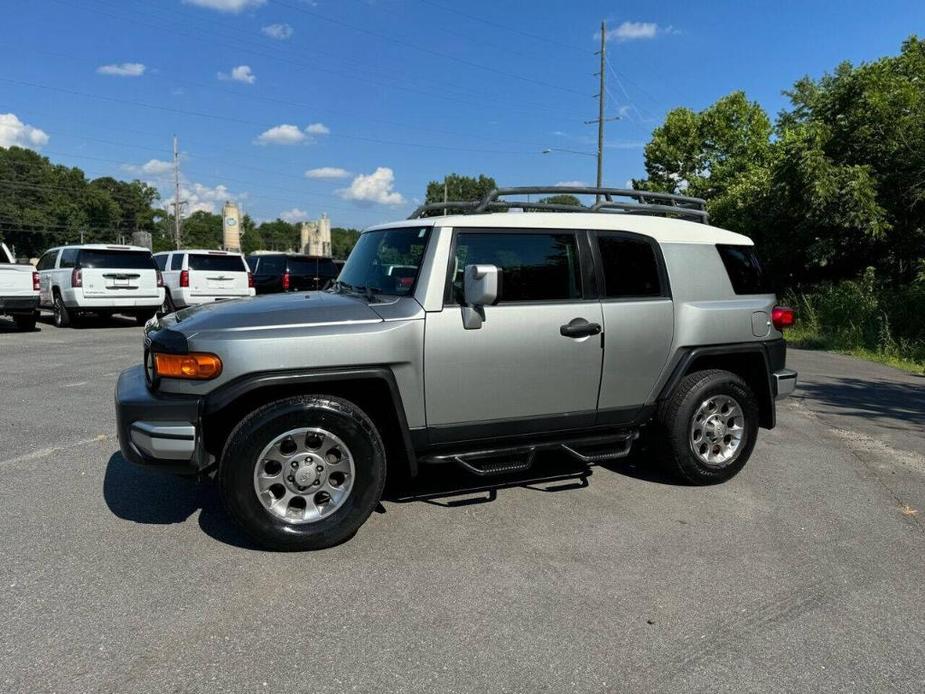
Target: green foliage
pixel 343 241
pixel 838 184
pixel 563 199
pixel 459 187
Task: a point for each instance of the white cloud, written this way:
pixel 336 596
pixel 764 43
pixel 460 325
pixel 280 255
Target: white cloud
pixel 233 6
pixel 284 134
pixel 156 167
pixel 632 31
pixel 375 187
pixel 294 215
pixel 574 184
pixel 318 129
pixel 280 32
pixel 13 132
pixel 327 172
pixel 122 69
pixel 202 198
pixel 241 73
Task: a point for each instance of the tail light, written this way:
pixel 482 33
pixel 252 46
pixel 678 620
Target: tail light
pixel 160 278
pixel 77 279
pixel 286 280
pixel 250 280
pixel 782 317
pixel 184 278
pixel 36 282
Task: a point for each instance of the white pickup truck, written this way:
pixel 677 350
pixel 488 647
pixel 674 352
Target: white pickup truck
pixel 19 290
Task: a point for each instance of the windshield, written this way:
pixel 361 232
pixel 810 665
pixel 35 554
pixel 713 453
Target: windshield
pixel 216 263
pixel 385 261
pixel 122 260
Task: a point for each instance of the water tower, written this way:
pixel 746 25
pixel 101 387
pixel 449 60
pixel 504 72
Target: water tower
pixel 231 227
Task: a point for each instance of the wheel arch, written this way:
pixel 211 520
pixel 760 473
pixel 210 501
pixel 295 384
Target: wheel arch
pixel 749 361
pixel 372 389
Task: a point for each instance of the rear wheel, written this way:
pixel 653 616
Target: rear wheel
pixel 303 473
pixel 62 315
pixel 143 317
pixel 168 305
pixel 708 428
pixel 25 321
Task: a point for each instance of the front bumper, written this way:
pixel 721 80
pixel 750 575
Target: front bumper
pixel 18 304
pixel 785 381
pixel 160 430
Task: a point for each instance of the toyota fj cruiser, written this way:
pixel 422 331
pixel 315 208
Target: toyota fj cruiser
pixel 569 329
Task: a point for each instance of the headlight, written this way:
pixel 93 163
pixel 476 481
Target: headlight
pixel 196 366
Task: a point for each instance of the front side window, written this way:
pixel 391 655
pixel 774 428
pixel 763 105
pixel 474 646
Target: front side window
pixel 372 261
pixel 630 267
pixel 533 266
pixel 106 259
pixel 216 263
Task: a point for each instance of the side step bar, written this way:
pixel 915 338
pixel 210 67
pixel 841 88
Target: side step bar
pixel 504 461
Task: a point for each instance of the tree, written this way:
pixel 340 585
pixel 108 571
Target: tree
pixel 459 187
pixel 343 241
pixel 562 199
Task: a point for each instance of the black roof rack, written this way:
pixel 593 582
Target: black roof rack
pixel 627 202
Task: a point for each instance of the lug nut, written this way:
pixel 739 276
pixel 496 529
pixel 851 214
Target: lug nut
pixel 302 489
pixel 320 468
pixel 316 482
pixel 294 463
pixel 291 478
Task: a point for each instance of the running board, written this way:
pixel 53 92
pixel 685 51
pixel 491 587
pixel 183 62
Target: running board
pixel 601 452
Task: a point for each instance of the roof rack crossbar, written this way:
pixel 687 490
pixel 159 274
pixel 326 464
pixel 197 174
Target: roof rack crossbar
pixel 640 202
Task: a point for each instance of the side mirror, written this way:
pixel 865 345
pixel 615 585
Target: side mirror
pixel 480 288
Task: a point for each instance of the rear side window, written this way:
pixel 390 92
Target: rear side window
pixel 111 259
pixel 160 261
pixel 68 257
pixel 272 265
pixel 314 267
pixel 630 267
pixel 534 267
pixel 176 261
pixel 47 261
pixel 216 263
pixel 744 269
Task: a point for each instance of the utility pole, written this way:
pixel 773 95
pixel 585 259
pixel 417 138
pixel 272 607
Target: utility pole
pixel 176 195
pixel 600 110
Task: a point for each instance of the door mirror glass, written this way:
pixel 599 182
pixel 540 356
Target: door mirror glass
pixel 480 286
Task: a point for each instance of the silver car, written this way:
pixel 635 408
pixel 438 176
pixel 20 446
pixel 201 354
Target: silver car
pixel 566 329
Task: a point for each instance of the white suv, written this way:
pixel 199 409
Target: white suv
pixel 99 278
pixel 194 277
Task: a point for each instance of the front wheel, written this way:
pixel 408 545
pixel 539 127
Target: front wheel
pixel 303 473
pixel 708 428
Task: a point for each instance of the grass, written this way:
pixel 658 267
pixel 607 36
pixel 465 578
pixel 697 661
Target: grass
pixel 802 338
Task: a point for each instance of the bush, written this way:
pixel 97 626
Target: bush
pixel 865 316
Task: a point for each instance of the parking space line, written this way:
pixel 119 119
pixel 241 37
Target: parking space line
pixel 43 452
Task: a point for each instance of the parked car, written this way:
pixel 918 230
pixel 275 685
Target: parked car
pixel 194 277
pixel 99 278
pixel 289 272
pixel 567 331
pixel 19 290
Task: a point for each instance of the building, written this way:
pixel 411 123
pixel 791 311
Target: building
pixel 315 238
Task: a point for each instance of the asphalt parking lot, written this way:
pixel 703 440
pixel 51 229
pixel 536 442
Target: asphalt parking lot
pixel 803 573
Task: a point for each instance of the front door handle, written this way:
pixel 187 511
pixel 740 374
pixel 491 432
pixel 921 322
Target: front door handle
pixel 579 327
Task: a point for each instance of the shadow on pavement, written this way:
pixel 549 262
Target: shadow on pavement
pixel 140 495
pixel 91 321
pixel 8 326
pixel 881 400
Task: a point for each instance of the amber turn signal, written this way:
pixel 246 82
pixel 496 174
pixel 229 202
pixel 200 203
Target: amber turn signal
pixel 196 365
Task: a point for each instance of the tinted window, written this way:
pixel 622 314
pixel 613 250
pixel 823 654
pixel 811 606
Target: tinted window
pixel 534 267
pixel 47 261
pixel 123 260
pixel 68 257
pixel 160 261
pixel 272 265
pixel 176 261
pixel 378 251
pixel 3 259
pixel 252 262
pixel 217 263
pixel 312 267
pixel 630 267
pixel 744 269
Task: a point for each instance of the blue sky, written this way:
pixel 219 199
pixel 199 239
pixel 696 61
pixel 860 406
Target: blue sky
pixel 297 107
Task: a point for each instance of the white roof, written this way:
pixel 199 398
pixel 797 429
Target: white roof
pixel 662 229
pixel 103 247
pixel 198 250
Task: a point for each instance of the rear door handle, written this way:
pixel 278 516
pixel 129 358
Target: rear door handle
pixel 579 327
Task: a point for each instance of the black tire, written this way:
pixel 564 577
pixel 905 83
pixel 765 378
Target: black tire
pixel 676 416
pixel 259 428
pixel 168 306
pixel 26 321
pixel 144 317
pixel 62 315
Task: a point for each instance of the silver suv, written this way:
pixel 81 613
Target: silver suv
pixel 569 329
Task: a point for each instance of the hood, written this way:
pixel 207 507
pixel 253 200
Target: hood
pixel 270 311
